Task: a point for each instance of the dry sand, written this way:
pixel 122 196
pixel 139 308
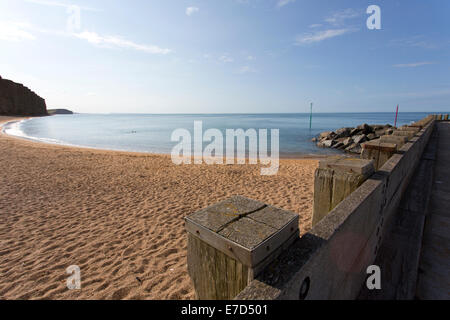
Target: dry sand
pixel 118 216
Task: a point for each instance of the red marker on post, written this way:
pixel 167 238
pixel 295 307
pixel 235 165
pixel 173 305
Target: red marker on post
pixel 396 114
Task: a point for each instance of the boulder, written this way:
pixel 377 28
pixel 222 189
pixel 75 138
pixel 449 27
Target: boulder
pixel 354 148
pixel 328 143
pixel 365 128
pixel 348 141
pixel 372 136
pixel 360 138
pixel 343 133
pixel 327 134
pixel 355 131
pixel 376 127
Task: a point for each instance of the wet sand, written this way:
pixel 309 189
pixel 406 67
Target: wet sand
pixel 118 216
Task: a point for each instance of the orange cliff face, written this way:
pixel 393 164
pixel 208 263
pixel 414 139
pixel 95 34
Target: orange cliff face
pixel 18 100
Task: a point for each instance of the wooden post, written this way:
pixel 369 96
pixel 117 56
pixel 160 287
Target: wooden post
pixel 231 242
pixel 378 151
pixel 334 180
pixel 423 122
pixel 446 117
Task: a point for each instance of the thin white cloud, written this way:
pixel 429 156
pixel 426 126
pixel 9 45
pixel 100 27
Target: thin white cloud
pixel 21 31
pixel 412 65
pixel 15 31
pixel 51 3
pixel 282 3
pixel 320 36
pixel 226 58
pixel 246 69
pixel 414 41
pixel 191 10
pixel 415 94
pixel 250 58
pixel 335 24
pixel 339 17
pixel 112 41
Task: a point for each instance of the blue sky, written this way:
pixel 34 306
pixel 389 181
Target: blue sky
pixel 207 56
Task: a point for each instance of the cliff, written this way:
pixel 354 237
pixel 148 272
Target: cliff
pixel 52 112
pixel 18 100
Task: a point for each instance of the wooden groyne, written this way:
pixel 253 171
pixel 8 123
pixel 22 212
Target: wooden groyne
pixel 356 202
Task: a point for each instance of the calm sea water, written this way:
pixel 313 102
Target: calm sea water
pixel 152 132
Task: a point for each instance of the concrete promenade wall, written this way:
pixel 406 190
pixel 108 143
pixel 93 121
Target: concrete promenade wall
pixel 330 261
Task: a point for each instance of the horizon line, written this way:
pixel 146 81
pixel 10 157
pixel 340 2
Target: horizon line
pixel 237 113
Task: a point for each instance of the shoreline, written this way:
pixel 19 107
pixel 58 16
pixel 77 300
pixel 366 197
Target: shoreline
pixel 119 216
pixel 36 140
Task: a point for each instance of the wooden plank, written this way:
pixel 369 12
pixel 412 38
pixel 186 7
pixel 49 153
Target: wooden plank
pixel 214 274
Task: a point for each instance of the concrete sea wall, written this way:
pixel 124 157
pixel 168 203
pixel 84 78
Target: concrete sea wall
pixel 362 216
pixel 330 261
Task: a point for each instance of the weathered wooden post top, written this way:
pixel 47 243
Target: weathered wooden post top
pixel 412 127
pixel 398 140
pixel 230 242
pixel 378 151
pixel 405 133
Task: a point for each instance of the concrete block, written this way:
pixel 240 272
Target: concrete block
pixel 231 242
pixel 338 268
pixel 329 261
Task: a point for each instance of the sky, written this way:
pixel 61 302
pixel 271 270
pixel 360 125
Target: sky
pixel 229 56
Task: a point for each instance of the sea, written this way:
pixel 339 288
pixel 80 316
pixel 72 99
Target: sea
pixel 152 133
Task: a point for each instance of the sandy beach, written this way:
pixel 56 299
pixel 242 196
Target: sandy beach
pixel 118 216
